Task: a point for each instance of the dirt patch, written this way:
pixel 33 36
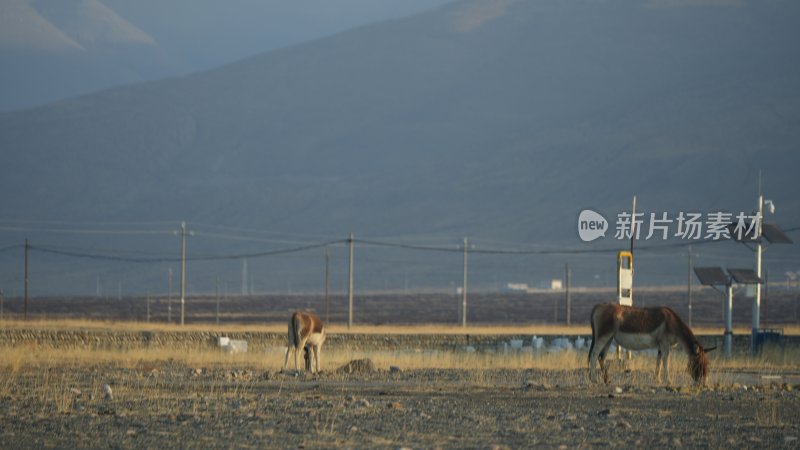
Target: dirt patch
pixel 174 406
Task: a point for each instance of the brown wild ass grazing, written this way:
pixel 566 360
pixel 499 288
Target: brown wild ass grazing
pixel 306 334
pixel 641 329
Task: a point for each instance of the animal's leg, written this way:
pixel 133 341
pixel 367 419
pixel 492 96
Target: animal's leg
pixel 603 367
pixel 286 359
pixel 297 350
pixel 595 353
pixel 666 367
pixel 658 366
pixel 307 358
pixel 317 352
pixel 603 363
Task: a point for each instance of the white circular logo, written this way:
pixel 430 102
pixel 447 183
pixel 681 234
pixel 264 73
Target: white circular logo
pixel 591 225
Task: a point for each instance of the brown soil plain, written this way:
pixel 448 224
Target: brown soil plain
pixel 51 398
pixel 98 397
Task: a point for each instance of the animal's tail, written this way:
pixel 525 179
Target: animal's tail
pixel 297 326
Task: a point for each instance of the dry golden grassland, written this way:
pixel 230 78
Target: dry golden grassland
pixel 279 327
pixel 205 398
pixel 271 359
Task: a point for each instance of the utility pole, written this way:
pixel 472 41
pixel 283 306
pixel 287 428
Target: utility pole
pixel 464 287
pixel 757 300
pixel 327 282
pixel 633 227
pixel 689 284
pixel 25 314
pixel 350 285
pixel 183 270
pixel 169 296
pixel 766 299
pixel 217 285
pixel 148 308
pixel 555 309
pixel 567 275
pixel 727 340
pixel 244 277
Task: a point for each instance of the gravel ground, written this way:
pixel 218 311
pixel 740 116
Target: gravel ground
pixel 168 405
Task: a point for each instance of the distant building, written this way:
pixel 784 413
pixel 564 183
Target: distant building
pixel 556 285
pixel 517 287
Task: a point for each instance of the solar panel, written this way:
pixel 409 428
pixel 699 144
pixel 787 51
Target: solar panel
pixel 711 276
pixel 774 234
pixel 770 231
pixel 742 235
pixel 744 276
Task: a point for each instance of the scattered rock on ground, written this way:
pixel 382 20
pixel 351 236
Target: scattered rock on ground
pixel 358 366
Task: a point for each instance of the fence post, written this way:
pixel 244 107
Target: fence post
pixel 350 285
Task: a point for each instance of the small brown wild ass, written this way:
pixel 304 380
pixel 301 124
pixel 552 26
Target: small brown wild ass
pixel 306 333
pixel 641 329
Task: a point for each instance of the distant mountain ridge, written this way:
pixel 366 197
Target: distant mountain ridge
pixel 55 49
pixel 21 26
pixel 91 24
pixel 501 121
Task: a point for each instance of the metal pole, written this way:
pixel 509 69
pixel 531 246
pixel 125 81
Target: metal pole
pixel 350 285
pixel 183 270
pixel 327 292
pixel 757 299
pixel 689 284
pixel 169 297
pixel 464 288
pixel 555 309
pixel 727 342
pixel 244 277
pixel 633 238
pixel 633 231
pixel 569 299
pixel 25 315
pixel 766 299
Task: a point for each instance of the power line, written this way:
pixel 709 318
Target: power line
pixel 74 223
pixel 83 231
pixel 107 254
pixel 566 251
pixel 99 256
pixel 243 238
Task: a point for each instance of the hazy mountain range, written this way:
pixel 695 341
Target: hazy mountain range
pixel 54 49
pixel 498 119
